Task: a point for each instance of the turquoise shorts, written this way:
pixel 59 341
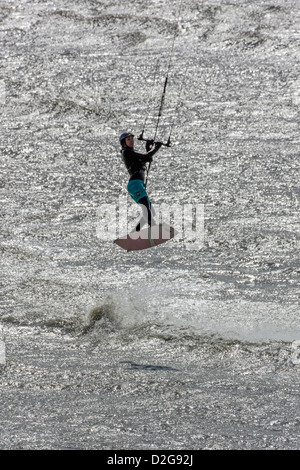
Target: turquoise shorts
pixel 137 190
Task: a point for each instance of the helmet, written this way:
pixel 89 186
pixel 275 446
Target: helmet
pixel 124 135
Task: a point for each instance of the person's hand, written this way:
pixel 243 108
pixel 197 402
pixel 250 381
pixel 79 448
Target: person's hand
pixel 158 145
pixel 149 144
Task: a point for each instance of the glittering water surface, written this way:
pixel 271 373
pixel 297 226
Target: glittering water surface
pixel 169 348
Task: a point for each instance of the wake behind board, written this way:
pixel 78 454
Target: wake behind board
pixel 146 238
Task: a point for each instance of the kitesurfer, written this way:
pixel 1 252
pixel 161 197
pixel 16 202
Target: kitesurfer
pixel 136 165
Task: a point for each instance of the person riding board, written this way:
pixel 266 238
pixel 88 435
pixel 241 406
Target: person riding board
pixel 136 165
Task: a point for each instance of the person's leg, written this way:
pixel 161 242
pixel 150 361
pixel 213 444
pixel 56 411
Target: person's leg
pixel 147 213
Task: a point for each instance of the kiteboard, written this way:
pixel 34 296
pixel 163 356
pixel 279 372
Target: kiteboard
pixel 146 238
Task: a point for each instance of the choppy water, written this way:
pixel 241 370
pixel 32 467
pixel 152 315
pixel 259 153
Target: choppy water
pixel 188 349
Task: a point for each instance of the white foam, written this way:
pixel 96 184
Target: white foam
pixel 181 304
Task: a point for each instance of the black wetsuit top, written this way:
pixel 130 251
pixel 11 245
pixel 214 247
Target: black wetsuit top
pixel 136 162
